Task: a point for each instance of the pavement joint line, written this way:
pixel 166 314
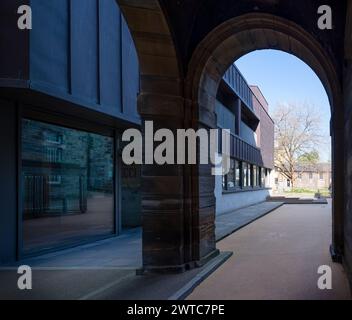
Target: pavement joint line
pixel 106 287
pixel 209 268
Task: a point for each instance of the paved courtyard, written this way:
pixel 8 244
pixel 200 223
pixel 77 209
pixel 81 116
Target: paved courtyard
pixel 274 257
pixel 277 257
pixel 125 251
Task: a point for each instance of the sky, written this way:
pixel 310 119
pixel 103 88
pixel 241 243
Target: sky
pixel 283 78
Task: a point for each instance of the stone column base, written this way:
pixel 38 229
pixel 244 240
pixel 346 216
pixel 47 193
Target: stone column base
pixel 336 255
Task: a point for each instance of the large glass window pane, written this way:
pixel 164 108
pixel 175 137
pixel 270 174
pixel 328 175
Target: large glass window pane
pixel 67 185
pixel 267 178
pixel 130 196
pixel 262 177
pixel 245 174
pixel 230 179
pixel 237 174
pixel 254 176
pixel 250 175
pixel 224 182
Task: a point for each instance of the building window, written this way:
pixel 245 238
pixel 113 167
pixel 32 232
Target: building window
pixel 310 175
pixel 67 186
pixel 54 179
pixel 246 175
pixel 237 174
pixel 321 176
pixel 254 175
pixel 53 154
pixel 256 180
pixel 224 182
pixel 232 180
pixel 130 196
pixel 262 177
pixel 267 178
pixel 53 137
pixel 250 175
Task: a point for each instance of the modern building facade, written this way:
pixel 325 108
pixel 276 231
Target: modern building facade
pixel 68 88
pixel 184 48
pixel 71 92
pixel 244 111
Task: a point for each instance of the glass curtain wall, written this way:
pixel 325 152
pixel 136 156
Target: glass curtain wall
pixel 67 186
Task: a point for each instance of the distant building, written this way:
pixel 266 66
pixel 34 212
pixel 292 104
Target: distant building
pixel 312 177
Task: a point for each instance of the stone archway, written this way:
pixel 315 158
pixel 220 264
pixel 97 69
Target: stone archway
pixel 243 34
pixel 178 202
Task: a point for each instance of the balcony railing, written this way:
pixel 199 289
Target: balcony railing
pixel 239 85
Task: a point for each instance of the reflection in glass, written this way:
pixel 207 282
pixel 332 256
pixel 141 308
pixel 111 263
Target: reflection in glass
pixel 130 196
pixel 67 185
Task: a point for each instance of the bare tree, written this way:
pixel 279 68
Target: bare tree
pixel 297 133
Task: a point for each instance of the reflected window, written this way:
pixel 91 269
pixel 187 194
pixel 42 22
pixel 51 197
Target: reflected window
pixel 67 185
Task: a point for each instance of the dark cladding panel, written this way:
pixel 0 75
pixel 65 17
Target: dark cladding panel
pixel 110 54
pixel 13 42
pixel 84 50
pixel 130 73
pixel 49 44
pixel 8 194
pixel 81 51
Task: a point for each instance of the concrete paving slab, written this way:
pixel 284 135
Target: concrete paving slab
pixel 60 284
pixel 277 257
pixel 107 269
pixel 230 222
pixel 105 283
pixel 123 252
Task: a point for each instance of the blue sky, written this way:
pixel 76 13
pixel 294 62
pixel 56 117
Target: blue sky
pixel 284 78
